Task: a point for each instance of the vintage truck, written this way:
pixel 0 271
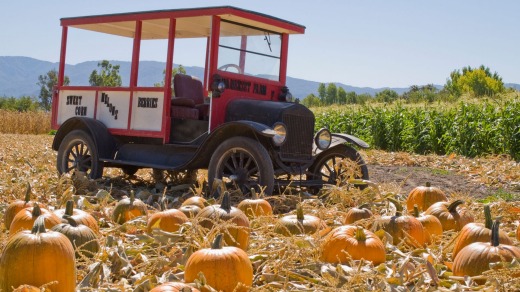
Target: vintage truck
pixel 240 121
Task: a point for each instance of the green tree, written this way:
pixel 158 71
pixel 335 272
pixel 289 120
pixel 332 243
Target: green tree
pixel 351 97
pixel 387 95
pixel 109 75
pixel 322 92
pixel 342 96
pixel 47 83
pixel 311 100
pixel 175 71
pixel 475 81
pixel 332 94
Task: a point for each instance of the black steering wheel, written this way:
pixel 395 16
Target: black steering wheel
pixel 226 66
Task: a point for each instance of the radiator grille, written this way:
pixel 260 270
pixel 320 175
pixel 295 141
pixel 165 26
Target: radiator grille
pixel 300 132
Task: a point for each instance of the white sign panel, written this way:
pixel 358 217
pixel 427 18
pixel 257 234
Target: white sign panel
pixel 113 108
pixel 75 103
pixel 147 111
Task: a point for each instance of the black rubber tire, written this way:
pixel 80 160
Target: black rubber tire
pixel 245 159
pixel 323 169
pixel 77 151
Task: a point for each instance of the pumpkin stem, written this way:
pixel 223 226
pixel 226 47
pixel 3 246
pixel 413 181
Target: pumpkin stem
pixel 428 184
pixel 36 211
pixel 28 193
pixel 39 225
pixel 217 243
pixel 132 197
pixel 299 213
pixel 415 211
pixel 398 206
pixel 226 202
pixel 69 208
pixel 360 234
pixel 254 195
pixel 487 214
pixel 72 222
pixel 495 239
pixel 453 206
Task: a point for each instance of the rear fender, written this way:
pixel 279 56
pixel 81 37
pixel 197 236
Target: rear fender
pixel 102 138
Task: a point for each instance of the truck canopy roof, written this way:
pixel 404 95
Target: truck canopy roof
pixel 190 23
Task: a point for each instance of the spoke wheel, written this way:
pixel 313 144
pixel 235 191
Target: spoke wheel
pixel 78 152
pixel 333 166
pixel 242 163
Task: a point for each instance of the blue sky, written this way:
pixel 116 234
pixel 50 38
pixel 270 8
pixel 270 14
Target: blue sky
pixel 360 43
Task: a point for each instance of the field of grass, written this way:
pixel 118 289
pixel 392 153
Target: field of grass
pixel 133 260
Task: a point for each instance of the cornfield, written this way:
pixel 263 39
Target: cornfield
pixel 30 122
pixel 466 128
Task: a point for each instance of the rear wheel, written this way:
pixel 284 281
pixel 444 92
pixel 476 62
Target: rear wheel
pixel 242 163
pixel 78 152
pixel 336 165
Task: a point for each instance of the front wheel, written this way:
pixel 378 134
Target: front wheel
pixel 243 163
pixel 78 152
pixel 336 165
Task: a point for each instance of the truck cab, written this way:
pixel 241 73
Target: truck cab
pixel 239 121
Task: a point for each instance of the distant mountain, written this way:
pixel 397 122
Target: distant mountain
pixel 19 77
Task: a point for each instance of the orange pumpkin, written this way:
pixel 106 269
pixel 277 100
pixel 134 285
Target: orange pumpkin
pixel 355 214
pixel 37 257
pixel 168 220
pixel 196 201
pixel 402 227
pixel 478 232
pixel 79 216
pixel 24 220
pixel 235 235
pixel 17 206
pixel 128 209
pixel 190 210
pixel 225 268
pixel 299 224
pixel 350 242
pixel 83 238
pixel 475 258
pixel 432 226
pixel 452 215
pixel 424 197
pixel 255 206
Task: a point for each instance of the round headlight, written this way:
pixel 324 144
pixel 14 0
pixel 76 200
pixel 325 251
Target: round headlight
pixel 323 139
pixel 280 133
pixel 221 86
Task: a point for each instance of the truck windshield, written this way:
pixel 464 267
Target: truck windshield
pixel 250 51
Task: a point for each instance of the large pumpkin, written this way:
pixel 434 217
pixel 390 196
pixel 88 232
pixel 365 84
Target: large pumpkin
pixel 432 226
pixel 37 257
pixel 354 214
pixel 475 258
pixel 478 232
pixel 350 242
pixel 402 228
pixel 128 209
pixel 80 216
pixel 424 197
pixel 299 224
pixel 235 235
pixel 81 236
pixel 167 220
pixel 195 201
pixel 174 287
pixel 452 215
pixel 223 267
pixel 24 220
pixel 255 206
pixel 17 206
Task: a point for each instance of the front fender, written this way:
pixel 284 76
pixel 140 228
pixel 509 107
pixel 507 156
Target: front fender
pixel 98 131
pixel 338 139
